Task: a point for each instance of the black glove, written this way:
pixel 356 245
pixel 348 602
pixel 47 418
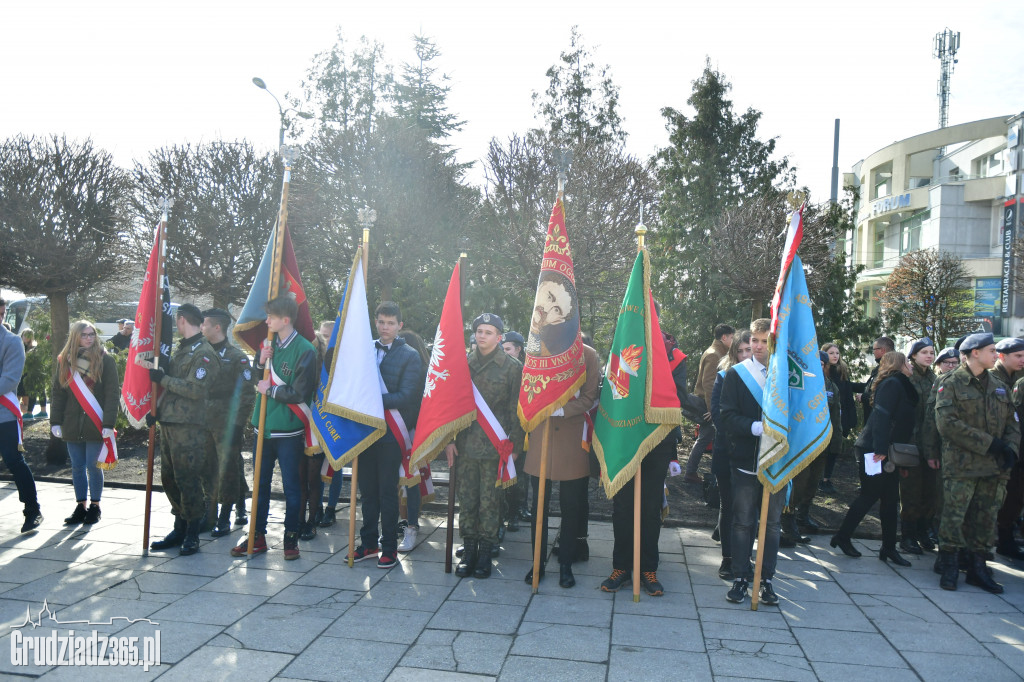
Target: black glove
pixel 997 447
pixel 1009 460
pixel 150 419
pixel 156 375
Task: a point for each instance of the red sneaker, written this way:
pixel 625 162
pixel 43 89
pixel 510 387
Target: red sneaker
pixel 259 546
pixel 291 546
pixel 387 559
pixel 363 553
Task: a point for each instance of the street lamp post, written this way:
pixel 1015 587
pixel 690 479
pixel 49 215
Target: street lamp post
pixel 259 83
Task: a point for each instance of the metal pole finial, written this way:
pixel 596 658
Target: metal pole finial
pixel 564 161
pixel 165 204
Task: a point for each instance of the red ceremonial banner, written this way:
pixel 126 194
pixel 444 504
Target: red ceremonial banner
pixel 554 368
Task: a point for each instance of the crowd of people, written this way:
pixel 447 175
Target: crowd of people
pixel 938 448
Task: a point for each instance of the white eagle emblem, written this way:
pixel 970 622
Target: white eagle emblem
pixel 200 373
pixel 434 375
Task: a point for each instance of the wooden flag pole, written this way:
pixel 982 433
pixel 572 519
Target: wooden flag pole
pixel 353 487
pixel 275 282
pixel 641 232
pixel 158 313
pixel 761 528
pixel 449 533
pixel 538 544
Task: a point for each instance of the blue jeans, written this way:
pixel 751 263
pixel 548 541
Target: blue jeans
pixel 83 466
pixel 412 503
pixel 15 462
pixel 287 452
pixel 746 504
pixel 334 492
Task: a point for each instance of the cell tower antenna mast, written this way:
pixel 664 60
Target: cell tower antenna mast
pixel 946 45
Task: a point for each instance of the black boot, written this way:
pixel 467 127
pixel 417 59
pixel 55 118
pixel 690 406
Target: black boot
pixel 468 562
pixel 191 542
pixel 582 549
pixel 890 554
pixel 209 520
pixel 789 530
pixel 909 543
pixel 804 521
pixel 501 534
pixel 483 561
pixel 924 535
pixel 963 560
pixel 950 570
pixel 240 518
pixel 223 526
pixel 565 576
pixel 1007 546
pixel 172 539
pixel 513 521
pixel 844 544
pixel 459 551
pixel 978 575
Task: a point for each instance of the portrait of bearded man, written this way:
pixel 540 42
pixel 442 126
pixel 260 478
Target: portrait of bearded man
pixel 555 319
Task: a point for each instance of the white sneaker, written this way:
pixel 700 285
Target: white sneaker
pixel 408 540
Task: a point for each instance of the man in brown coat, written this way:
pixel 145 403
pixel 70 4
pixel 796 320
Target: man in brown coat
pixel 569 464
pixel 706 372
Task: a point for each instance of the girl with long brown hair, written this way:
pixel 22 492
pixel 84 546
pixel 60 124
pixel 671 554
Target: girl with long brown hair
pixel 85 378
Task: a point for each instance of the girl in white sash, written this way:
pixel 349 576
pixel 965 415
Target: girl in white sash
pixel 86 389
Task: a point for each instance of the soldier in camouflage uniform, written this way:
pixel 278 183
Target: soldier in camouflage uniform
pixel 980 436
pixel 182 413
pixel 919 485
pixel 1009 370
pixel 929 440
pixel 230 403
pixel 497 376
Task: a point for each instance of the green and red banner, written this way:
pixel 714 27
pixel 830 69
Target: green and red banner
pixel 639 406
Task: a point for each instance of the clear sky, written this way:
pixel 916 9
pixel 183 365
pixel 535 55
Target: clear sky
pixel 138 75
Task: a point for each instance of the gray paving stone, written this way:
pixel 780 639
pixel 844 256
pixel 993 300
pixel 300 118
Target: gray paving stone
pixel 735 659
pixel 280 627
pixel 529 669
pixel 967 599
pixel 220 663
pixel 393 625
pixel 478 652
pixel 832 617
pixel 629 663
pixel 547 608
pixel 247 580
pixel 341 577
pixel 900 609
pixel 810 591
pixel 406 596
pixel 497 619
pixel 175 584
pixel 431 655
pixel 844 672
pixel 1010 654
pixel 413 674
pixel 306 595
pixel 862 583
pixel 97 674
pixel 68 587
pixel 988 627
pixel 654 632
pixel 940 638
pixel 211 564
pixel 857 647
pixel 670 604
pixel 348 659
pixel 568 642
pixel 430 573
pixel 932 666
pixel 213 608
pixel 177 638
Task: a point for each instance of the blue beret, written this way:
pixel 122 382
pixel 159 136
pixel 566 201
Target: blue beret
pixel 917 346
pixel 823 356
pixel 975 341
pixel 1010 344
pixel 514 337
pixel 956 346
pixel 946 354
pixel 491 319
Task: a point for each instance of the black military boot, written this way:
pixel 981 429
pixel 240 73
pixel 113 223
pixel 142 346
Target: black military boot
pixel 1007 546
pixel 209 520
pixel 240 518
pixel 468 562
pixel 789 530
pixel 513 521
pixel 804 521
pixel 191 542
pixel 483 561
pixel 950 570
pixel 979 576
pixel 909 543
pixel 963 560
pixel 223 526
pixel 924 537
pixel 172 539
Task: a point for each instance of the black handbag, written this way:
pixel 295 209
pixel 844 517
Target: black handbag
pixel 904 454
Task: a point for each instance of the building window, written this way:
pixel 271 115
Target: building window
pixel 910 231
pixel 878 259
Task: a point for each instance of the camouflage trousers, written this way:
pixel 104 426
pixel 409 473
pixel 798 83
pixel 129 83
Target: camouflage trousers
pixel 479 499
pixel 969 511
pixel 184 469
pixel 920 493
pixel 226 470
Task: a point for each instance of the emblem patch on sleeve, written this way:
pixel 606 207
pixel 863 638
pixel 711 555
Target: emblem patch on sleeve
pixel 200 373
pixel 247 374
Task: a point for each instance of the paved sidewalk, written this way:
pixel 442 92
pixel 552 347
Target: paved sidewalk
pixel 316 619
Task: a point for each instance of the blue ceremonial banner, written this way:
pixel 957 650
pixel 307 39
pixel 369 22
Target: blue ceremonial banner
pixel 796 419
pixel 348 412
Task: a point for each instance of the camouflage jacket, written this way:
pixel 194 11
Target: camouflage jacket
pixel 497 377
pixel 928 439
pixel 970 412
pixel 922 383
pixel 231 396
pixel 193 372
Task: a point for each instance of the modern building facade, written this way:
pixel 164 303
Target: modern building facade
pixel 956 189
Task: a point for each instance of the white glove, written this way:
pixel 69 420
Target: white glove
pixel 55 430
pixel 674 469
pixel 108 433
pixel 756 429
pixel 560 412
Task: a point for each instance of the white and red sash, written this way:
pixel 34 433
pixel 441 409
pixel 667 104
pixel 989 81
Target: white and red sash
pixel 305 415
pixel 425 482
pixel 107 458
pixel 496 434
pixel 398 429
pixel 10 401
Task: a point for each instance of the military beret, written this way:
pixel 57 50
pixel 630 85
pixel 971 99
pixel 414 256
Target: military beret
pixel 491 319
pixel 956 346
pixel 190 313
pixel 1010 344
pixel 217 312
pixel 514 337
pixel 946 354
pixel 823 356
pixel 975 341
pixel 917 346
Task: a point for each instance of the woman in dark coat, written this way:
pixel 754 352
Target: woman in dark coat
pixel 894 408
pixel 839 373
